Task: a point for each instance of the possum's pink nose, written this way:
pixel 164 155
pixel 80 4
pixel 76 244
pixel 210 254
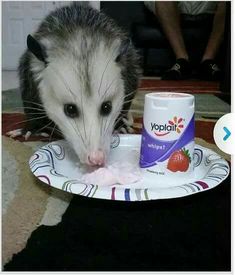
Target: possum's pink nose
pixel 96 158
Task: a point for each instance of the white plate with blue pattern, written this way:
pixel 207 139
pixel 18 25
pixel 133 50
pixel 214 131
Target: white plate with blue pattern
pixel 57 165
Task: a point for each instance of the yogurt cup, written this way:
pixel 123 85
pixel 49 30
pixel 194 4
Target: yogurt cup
pixel 167 143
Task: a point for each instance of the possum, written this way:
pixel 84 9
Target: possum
pixel 78 77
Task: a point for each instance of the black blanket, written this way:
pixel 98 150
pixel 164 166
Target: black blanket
pixel 185 234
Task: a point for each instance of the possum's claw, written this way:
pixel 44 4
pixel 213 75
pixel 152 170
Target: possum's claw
pixel 130 130
pixel 27 135
pixel 43 134
pixel 128 124
pixel 18 133
pixel 127 130
pixel 123 130
pixel 128 120
pixel 15 133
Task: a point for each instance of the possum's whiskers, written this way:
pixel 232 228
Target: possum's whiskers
pixel 23 121
pixel 108 89
pixel 52 133
pixel 115 115
pixel 44 127
pixel 30 108
pixel 120 118
pixel 56 129
pixel 42 113
pixel 71 92
pixel 109 60
pixel 60 77
pixel 84 127
pixel 29 120
pixel 34 103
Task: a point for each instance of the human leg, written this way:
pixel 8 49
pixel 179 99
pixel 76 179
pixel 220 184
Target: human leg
pixel 209 70
pixel 217 33
pixel 168 16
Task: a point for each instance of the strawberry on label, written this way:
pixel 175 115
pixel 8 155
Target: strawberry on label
pixel 179 161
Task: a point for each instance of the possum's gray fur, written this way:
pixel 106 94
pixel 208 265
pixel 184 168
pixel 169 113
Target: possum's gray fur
pixel 58 29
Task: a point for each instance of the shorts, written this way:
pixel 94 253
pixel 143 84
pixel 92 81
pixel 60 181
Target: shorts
pixel 189 7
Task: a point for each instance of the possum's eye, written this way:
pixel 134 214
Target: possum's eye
pixel 106 108
pixel 71 110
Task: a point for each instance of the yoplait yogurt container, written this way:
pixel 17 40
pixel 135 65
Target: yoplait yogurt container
pixel 167 143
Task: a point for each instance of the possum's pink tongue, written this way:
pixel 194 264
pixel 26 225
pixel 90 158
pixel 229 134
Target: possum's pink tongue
pixel 96 158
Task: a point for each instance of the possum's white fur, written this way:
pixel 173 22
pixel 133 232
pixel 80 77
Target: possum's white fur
pixel 61 83
pixel 65 64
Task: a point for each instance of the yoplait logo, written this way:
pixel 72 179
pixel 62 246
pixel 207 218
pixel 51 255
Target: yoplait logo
pixel 174 125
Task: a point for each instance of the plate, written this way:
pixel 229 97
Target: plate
pixel 57 165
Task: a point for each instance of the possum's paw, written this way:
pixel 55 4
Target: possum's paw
pixel 126 130
pixel 128 120
pixel 26 134
pixel 15 133
pixel 127 124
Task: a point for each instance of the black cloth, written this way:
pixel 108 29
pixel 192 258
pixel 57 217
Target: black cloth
pixel 185 234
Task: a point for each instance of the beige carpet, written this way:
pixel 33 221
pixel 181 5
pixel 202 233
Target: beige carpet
pixel 27 203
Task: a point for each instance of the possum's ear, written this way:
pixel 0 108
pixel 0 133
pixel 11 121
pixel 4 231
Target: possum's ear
pixel 37 49
pixel 123 49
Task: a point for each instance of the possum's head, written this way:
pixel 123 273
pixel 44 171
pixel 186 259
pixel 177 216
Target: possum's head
pixel 83 92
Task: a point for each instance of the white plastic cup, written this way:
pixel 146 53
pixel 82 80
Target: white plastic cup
pixel 167 144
